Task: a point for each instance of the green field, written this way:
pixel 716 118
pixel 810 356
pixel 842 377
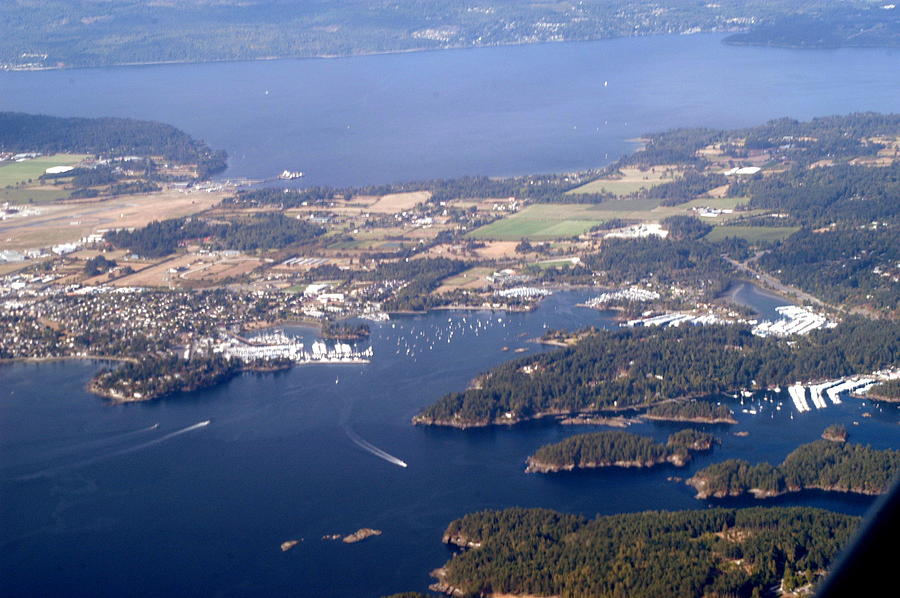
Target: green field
pixel 752 234
pixel 14 173
pixel 614 187
pixel 540 222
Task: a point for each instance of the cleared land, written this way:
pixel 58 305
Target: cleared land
pixel 631 180
pixel 753 234
pixel 70 221
pixel 14 173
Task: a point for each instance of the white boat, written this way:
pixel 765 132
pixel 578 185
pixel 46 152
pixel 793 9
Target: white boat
pixel 289 175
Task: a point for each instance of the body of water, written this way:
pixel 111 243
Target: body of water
pixel 100 499
pixel 496 111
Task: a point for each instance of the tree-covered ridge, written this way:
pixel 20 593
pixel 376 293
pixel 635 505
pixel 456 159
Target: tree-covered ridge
pixel 691 411
pixel 247 233
pixel 46 33
pixel 108 137
pixel 652 554
pixel 822 464
pixel 633 367
pixel 617 449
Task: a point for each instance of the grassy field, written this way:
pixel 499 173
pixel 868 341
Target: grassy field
pixel 752 234
pixel 13 173
pixel 25 195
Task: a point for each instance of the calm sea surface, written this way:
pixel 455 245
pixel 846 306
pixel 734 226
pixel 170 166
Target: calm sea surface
pixel 497 111
pixel 104 500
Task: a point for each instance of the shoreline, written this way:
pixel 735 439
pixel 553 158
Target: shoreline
pixel 359 54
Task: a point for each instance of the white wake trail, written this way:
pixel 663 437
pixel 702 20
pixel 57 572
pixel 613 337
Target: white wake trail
pixel 132 449
pixel 368 446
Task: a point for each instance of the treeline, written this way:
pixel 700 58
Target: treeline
pixel 852 266
pixel 617 449
pixel 245 233
pixel 691 411
pixel 642 555
pixel 21 132
pixel 821 464
pixel 155 376
pixel 631 367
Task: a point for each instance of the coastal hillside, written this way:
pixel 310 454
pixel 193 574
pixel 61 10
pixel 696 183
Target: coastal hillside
pixel 53 33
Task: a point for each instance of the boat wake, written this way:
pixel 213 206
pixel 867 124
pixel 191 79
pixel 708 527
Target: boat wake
pixel 371 448
pixel 125 451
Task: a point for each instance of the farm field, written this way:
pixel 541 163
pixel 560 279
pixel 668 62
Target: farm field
pixel 14 173
pixel 555 221
pixel 753 234
pixel 632 180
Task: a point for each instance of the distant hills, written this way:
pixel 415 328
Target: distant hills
pixel 55 33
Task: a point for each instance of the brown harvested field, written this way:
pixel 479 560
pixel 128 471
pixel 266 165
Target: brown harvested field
pixel 69 221
pixel 191 268
pixel 399 202
pixel 493 250
pixel 215 272
pixel 718 192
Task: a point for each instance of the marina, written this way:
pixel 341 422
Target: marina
pixel 276 345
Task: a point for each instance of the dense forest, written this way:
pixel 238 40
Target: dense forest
pixel 246 233
pixel 822 464
pixel 617 449
pixel 630 367
pixel 691 411
pixel 107 137
pixel 642 555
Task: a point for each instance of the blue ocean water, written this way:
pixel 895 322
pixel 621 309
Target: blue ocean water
pixel 494 111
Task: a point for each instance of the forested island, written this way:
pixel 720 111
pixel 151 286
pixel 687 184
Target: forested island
pixel 721 552
pixel 617 449
pixel 819 465
pixel 639 367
